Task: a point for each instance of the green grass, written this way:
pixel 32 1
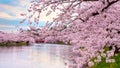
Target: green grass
pixel 106 49
pixel 103 63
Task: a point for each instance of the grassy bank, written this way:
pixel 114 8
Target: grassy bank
pixel 8 44
pixel 103 63
pixel 60 42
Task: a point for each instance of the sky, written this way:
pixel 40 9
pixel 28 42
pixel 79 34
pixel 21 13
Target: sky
pixel 10 18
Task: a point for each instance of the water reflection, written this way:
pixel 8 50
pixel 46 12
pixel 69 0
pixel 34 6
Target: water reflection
pixel 38 56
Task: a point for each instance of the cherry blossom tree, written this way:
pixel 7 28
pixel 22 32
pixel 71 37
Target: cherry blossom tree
pixel 18 37
pixel 89 26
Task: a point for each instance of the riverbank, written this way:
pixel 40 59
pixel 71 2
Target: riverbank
pixel 58 42
pixel 61 43
pixel 8 44
pixel 114 61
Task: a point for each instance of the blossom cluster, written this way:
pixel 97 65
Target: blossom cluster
pixel 12 37
pixel 88 28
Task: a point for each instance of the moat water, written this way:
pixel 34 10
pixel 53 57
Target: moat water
pixel 36 56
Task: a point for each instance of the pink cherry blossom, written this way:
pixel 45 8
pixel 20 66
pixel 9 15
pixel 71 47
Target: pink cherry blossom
pixel 90 63
pixel 88 26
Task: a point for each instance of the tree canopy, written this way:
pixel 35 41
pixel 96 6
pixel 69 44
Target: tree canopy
pixel 89 26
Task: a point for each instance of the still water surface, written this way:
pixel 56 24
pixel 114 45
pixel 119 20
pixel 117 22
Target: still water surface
pixel 37 56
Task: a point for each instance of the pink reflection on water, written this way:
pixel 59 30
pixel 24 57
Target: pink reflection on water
pixel 38 56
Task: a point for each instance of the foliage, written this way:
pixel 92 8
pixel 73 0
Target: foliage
pixel 8 39
pixel 87 25
pixel 8 44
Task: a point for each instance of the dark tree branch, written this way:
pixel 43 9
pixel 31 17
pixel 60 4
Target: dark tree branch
pixel 109 4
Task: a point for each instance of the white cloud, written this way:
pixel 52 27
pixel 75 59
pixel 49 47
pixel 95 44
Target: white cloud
pixel 5 15
pixel 9 31
pixel 6 26
pixel 11 28
pixel 12 12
